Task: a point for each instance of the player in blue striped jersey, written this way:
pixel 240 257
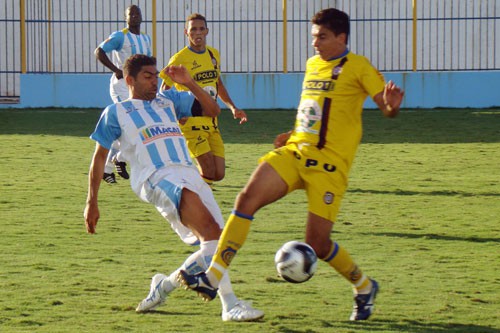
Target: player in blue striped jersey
pixel 162 171
pixel 119 46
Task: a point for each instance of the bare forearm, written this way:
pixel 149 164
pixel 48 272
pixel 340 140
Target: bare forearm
pixel 91 212
pixel 96 173
pixel 224 95
pixel 103 59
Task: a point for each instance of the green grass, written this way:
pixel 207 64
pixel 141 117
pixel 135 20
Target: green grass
pixel 421 216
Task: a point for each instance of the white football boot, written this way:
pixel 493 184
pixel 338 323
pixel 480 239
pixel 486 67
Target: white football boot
pixel 242 311
pixel 156 295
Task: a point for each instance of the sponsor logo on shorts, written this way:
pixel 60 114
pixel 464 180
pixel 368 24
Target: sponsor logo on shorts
pixel 328 198
pixel 228 255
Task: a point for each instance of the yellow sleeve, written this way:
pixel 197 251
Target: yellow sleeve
pixel 167 80
pixel 371 79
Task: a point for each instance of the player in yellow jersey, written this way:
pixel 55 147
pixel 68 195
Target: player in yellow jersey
pixel 315 156
pixel 202 133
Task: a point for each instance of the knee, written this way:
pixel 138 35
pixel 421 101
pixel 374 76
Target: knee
pixel 246 202
pixel 209 230
pixel 219 175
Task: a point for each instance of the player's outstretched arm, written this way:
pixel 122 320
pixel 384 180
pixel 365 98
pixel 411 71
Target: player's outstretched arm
pixel 179 74
pixel 91 212
pixel 224 96
pixel 389 100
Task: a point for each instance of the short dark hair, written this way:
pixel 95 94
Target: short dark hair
pixel 130 8
pixel 334 20
pixel 134 64
pixel 196 16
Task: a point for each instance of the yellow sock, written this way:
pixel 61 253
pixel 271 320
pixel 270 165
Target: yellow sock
pixel 342 262
pixel 233 236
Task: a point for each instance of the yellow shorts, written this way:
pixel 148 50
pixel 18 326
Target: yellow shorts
pixel 202 136
pixel 310 169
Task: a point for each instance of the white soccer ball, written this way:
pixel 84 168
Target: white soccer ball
pixel 296 262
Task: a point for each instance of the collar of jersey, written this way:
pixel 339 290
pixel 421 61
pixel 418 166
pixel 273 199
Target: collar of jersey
pixel 340 56
pixel 201 52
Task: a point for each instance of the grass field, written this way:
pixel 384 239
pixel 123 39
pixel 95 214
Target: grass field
pixel 421 216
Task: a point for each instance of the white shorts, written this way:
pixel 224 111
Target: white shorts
pixel 164 188
pixel 118 89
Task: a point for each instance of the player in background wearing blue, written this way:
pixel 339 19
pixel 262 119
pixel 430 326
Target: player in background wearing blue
pixel 121 45
pixel 202 133
pixel 315 156
pixel 163 173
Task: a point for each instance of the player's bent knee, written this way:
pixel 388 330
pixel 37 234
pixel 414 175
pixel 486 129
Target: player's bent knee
pixel 219 175
pixel 207 230
pixel 247 203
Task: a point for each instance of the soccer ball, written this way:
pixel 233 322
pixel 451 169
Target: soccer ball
pixel 296 262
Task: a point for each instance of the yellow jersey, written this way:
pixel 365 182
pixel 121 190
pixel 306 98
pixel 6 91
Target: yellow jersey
pixel 329 114
pixel 204 67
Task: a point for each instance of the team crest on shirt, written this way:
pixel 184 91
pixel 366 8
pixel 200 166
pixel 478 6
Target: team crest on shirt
pixel 328 198
pixel 337 70
pixel 160 102
pixel 129 109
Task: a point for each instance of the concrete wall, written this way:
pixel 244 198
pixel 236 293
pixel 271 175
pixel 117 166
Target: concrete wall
pixel 271 91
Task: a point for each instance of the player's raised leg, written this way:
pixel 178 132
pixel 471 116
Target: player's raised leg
pixel 265 186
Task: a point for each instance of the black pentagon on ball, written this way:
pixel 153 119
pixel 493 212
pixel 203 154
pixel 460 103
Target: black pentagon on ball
pixel 309 256
pixel 309 259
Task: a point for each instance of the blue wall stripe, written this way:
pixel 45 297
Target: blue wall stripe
pixel 274 91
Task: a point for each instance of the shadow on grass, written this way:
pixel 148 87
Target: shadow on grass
pixel 436 236
pixel 416 326
pixel 420 126
pixel 432 193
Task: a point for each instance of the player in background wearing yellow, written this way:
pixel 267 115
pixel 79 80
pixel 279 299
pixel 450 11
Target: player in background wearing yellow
pixel 120 45
pixel 202 133
pixel 315 156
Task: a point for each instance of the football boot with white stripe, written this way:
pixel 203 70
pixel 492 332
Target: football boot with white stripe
pixel 365 303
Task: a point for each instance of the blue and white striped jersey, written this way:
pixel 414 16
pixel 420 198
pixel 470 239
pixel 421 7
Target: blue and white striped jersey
pixel 123 44
pixel 148 133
